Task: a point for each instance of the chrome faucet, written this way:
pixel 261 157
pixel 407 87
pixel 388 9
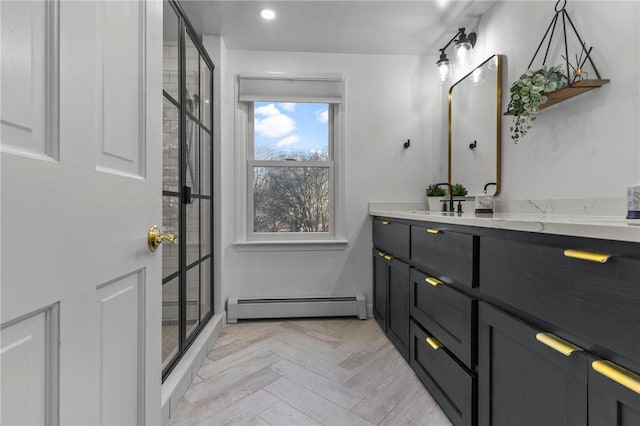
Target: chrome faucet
pixel 450 194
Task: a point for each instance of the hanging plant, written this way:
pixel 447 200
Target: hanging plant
pixel 528 93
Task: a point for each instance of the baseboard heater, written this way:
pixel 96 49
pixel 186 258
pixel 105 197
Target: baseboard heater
pixel 295 307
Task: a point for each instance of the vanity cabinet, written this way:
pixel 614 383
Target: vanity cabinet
pixel 511 327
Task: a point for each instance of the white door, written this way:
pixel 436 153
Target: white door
pixel 80 137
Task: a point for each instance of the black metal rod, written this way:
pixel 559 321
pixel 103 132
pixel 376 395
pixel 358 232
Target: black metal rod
pixel 553 30
pixel 542 41
pixel 566 47
pixel 583 46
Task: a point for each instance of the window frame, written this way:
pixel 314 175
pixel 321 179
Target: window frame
pixel 245 238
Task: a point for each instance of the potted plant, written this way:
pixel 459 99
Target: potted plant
pixel 434 194
pixel 528 93
pixel 458 190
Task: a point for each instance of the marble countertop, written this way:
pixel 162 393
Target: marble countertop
pixel 580 225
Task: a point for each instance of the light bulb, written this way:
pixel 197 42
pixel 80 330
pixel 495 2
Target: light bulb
pixel 463 53
pixel 444 71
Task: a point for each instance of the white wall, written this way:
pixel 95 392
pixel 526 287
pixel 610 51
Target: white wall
pixel 585 147
pixel 386 104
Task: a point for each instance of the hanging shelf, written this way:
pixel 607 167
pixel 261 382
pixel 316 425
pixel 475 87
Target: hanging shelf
pixel 568 92
pixel 576 85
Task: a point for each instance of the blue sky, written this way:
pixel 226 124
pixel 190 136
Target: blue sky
pixel 291 127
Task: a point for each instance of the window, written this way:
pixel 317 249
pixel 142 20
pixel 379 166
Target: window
pixel 290 168
pixel 290 159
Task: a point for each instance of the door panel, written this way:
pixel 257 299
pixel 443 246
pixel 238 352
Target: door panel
pixel 29 78
pixel 28 355
pixel 68 227
pixel 121 324
pixel 121 107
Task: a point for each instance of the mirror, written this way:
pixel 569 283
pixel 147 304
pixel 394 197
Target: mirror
pixel 475 121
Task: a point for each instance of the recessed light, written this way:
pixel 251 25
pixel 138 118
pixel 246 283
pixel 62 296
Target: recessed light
pixel 267 14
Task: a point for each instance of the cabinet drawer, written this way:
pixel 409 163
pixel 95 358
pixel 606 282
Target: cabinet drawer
pixel 392 237
pixel 447 313
pixel 448 382
pixel 451 255
pixel 597 302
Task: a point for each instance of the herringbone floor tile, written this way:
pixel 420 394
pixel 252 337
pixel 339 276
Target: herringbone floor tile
pixel 306 372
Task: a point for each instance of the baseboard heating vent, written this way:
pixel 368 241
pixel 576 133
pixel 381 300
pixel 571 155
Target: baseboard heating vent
pixel 295 307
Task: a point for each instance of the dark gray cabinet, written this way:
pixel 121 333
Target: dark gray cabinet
pixel 611 403
pixel 380 288
pixel 523 382
pixel 391 281
pixel 398 305
pixel 391 299
pixel 509 328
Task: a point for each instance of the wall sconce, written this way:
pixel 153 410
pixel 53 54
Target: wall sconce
pixel 464 44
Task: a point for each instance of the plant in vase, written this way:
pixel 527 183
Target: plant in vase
pixel 434 191
pixel 458 190
pixel 528 93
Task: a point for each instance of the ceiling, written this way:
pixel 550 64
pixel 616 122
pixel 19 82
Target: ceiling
pixel 338 26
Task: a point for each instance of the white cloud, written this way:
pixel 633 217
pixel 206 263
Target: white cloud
pixel 288 141
pixel 267 110
pixel 322 115
pixel 288 106
pixel 275 126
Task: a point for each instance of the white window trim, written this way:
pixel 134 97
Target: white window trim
pixel 245 239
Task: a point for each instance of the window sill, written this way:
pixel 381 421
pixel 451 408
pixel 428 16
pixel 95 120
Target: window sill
pixel 290 245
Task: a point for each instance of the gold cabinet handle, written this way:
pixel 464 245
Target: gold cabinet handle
pixel 386 256
pixel 155 238
pixel 434 343
pixel 433 230
pixel 381 254
pixel 557 344
pixel 385 222
pixel 620 375
pixel 585 255
pixel 433 281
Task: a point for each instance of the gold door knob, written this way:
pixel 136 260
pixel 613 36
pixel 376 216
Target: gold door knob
pixel 155 238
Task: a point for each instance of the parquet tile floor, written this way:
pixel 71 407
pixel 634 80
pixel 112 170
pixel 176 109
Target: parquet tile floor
pixel 306 372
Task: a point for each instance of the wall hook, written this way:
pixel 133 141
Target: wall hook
pixel 473 145
pixel 407 144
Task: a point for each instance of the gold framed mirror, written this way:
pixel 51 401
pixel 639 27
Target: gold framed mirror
pixel 475 123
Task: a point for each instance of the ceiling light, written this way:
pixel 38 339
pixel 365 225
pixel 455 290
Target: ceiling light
pixel 267 14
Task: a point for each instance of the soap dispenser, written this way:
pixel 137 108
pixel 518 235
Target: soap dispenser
pixel 633 202
pixel 484 201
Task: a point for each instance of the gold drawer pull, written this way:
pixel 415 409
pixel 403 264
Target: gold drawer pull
pixel 433 230
pixel 557 344
pixel 433 281
pixel 618 374
pixel 585 255
pixel 381 254
pixel 385 222
pixel 386 256
pixel 434 343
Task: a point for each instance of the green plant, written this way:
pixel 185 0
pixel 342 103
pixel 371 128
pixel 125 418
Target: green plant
pixel 528 93
pixel 458 190
pixel 435 191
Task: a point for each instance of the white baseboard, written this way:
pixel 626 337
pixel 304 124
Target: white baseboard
pixel 178 382
pixel 370 310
